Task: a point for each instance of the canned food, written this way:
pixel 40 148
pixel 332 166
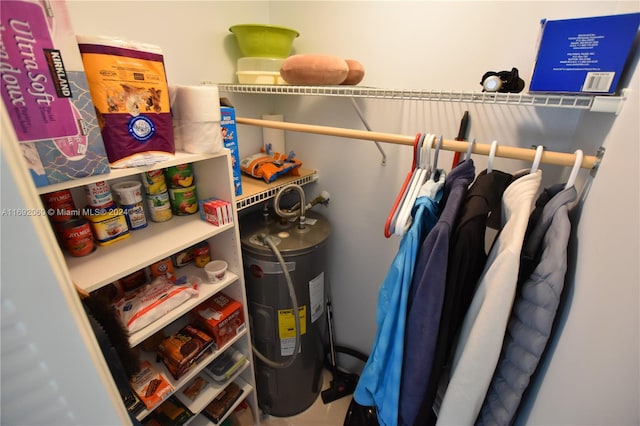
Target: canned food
pixel 180 176
pixel 76 237
pixel 154 182
pixel 201 254
pixel 184 201
pixel 159 207
pixel 60 205
pixel 98 194
pixel 108 225
pixel 135 216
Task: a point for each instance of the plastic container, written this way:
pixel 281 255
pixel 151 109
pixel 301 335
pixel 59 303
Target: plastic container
pixel 216 270
pixel 264 40
pixel 259 77
pixel 249 63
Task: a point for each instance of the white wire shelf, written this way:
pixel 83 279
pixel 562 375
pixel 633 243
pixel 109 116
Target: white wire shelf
pixel 255 191
pixel 609 104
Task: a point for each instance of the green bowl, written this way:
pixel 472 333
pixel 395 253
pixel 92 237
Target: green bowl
pixel 266 41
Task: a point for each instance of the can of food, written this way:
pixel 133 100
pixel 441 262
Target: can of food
pixel 153 182
pixel 159 207
pixel 201 254
pixel 184 201
pixel 60 206
pixel 98 194
pixel 76 237
pixel 108 225
pixel 127 192
pixel 135 216
pixel 180 176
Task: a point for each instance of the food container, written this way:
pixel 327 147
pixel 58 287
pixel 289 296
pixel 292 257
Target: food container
pixel 135 216
pixel 108 224
pixel 201 255
pixel 184 201
pixel 60 205
pixel 216 270
pixel 98 194
pixel 159 207
pixel 180 176
pixel 76 237
pixel 256 70
pixel 128 192
pixel 264 40
pixel 154 182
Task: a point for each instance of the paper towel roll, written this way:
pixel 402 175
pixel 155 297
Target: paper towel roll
pixel 195 103
pixel 273 139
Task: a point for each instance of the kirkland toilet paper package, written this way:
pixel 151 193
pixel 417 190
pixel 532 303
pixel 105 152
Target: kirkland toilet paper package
pixel 46 94
pixel 129 88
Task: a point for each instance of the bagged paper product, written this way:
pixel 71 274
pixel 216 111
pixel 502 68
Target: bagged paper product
pixel 129 88
pixel 196 118
pixel 153 301
pixel 269 167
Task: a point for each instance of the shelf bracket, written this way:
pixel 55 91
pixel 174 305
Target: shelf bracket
pixel 599 155
pixel 609 104
pixel 366 125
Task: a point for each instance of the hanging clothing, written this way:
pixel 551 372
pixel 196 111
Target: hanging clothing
pixel 379 383
pixel 425 299
pixel 484 325
pixel 466 260
pixel 533 312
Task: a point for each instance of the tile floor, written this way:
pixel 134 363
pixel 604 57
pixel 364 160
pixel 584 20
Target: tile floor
pixel 319 414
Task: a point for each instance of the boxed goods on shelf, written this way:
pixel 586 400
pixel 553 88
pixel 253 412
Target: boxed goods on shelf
pixel 221 316
pixel 150 385
pixel 184 348
pixel 230 140
pixel 219 407
pixel 583 55
pixel 46 94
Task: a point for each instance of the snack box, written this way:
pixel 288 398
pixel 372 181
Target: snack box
pixel 183 349
pixel 583 55
pixel 221 316
pixel 46 93
pixel 230 140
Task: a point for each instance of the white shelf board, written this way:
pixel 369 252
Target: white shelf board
pixel 205 291
pixel 178 158
pixel 143 247
pixel 191 373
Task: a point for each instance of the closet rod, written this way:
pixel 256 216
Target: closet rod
pixel 527 154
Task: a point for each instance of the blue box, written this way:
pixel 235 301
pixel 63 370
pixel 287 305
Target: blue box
pixel 230 140
pixel 584 55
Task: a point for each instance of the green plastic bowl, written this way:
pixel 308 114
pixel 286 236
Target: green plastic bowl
pixel 265 41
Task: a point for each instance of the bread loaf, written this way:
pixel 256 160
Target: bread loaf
pixel 314 69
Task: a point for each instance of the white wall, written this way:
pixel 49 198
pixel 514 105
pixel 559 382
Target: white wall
pixel 593 375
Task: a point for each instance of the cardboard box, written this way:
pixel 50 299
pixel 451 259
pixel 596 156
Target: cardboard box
pixel 584 55
pixel 46 94
pixel 230 140
pixel 220 316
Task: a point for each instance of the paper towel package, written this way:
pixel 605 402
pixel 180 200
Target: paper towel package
pixel 46 94
pixel 196 118
pixel 583 55
pixel 230 140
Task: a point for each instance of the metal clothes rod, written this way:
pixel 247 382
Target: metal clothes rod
pixel 526 154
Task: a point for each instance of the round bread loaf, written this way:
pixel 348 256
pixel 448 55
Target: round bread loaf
pixel 314 69
pixel 356 72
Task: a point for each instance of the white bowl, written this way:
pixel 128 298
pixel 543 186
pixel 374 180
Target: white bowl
pixel 216 270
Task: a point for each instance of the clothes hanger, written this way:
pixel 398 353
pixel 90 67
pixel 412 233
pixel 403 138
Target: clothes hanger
pixel 492 155
pixel 575 170
pixel 403 190
pixel 435 158
pixel 470 149
pixel 404 217
pixel 537 158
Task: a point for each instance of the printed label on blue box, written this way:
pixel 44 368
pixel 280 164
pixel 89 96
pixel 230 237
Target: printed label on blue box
pixel 585 55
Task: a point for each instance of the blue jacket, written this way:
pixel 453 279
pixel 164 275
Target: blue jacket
pixel 379 383
pixel 425 300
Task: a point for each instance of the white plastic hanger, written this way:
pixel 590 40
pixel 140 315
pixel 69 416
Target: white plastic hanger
pixel 404 217
pixel 575 169
pixel 492 155
pixel 470 149
pixel 537 158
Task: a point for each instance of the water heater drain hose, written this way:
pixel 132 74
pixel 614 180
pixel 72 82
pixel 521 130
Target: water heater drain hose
pixel 296 314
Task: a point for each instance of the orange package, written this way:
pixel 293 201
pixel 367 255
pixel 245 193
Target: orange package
pixel 269 167
pixel 150 385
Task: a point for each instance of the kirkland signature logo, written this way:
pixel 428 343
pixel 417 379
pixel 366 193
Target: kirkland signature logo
pixel 59 74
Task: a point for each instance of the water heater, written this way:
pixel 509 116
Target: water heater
pixel 286 391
